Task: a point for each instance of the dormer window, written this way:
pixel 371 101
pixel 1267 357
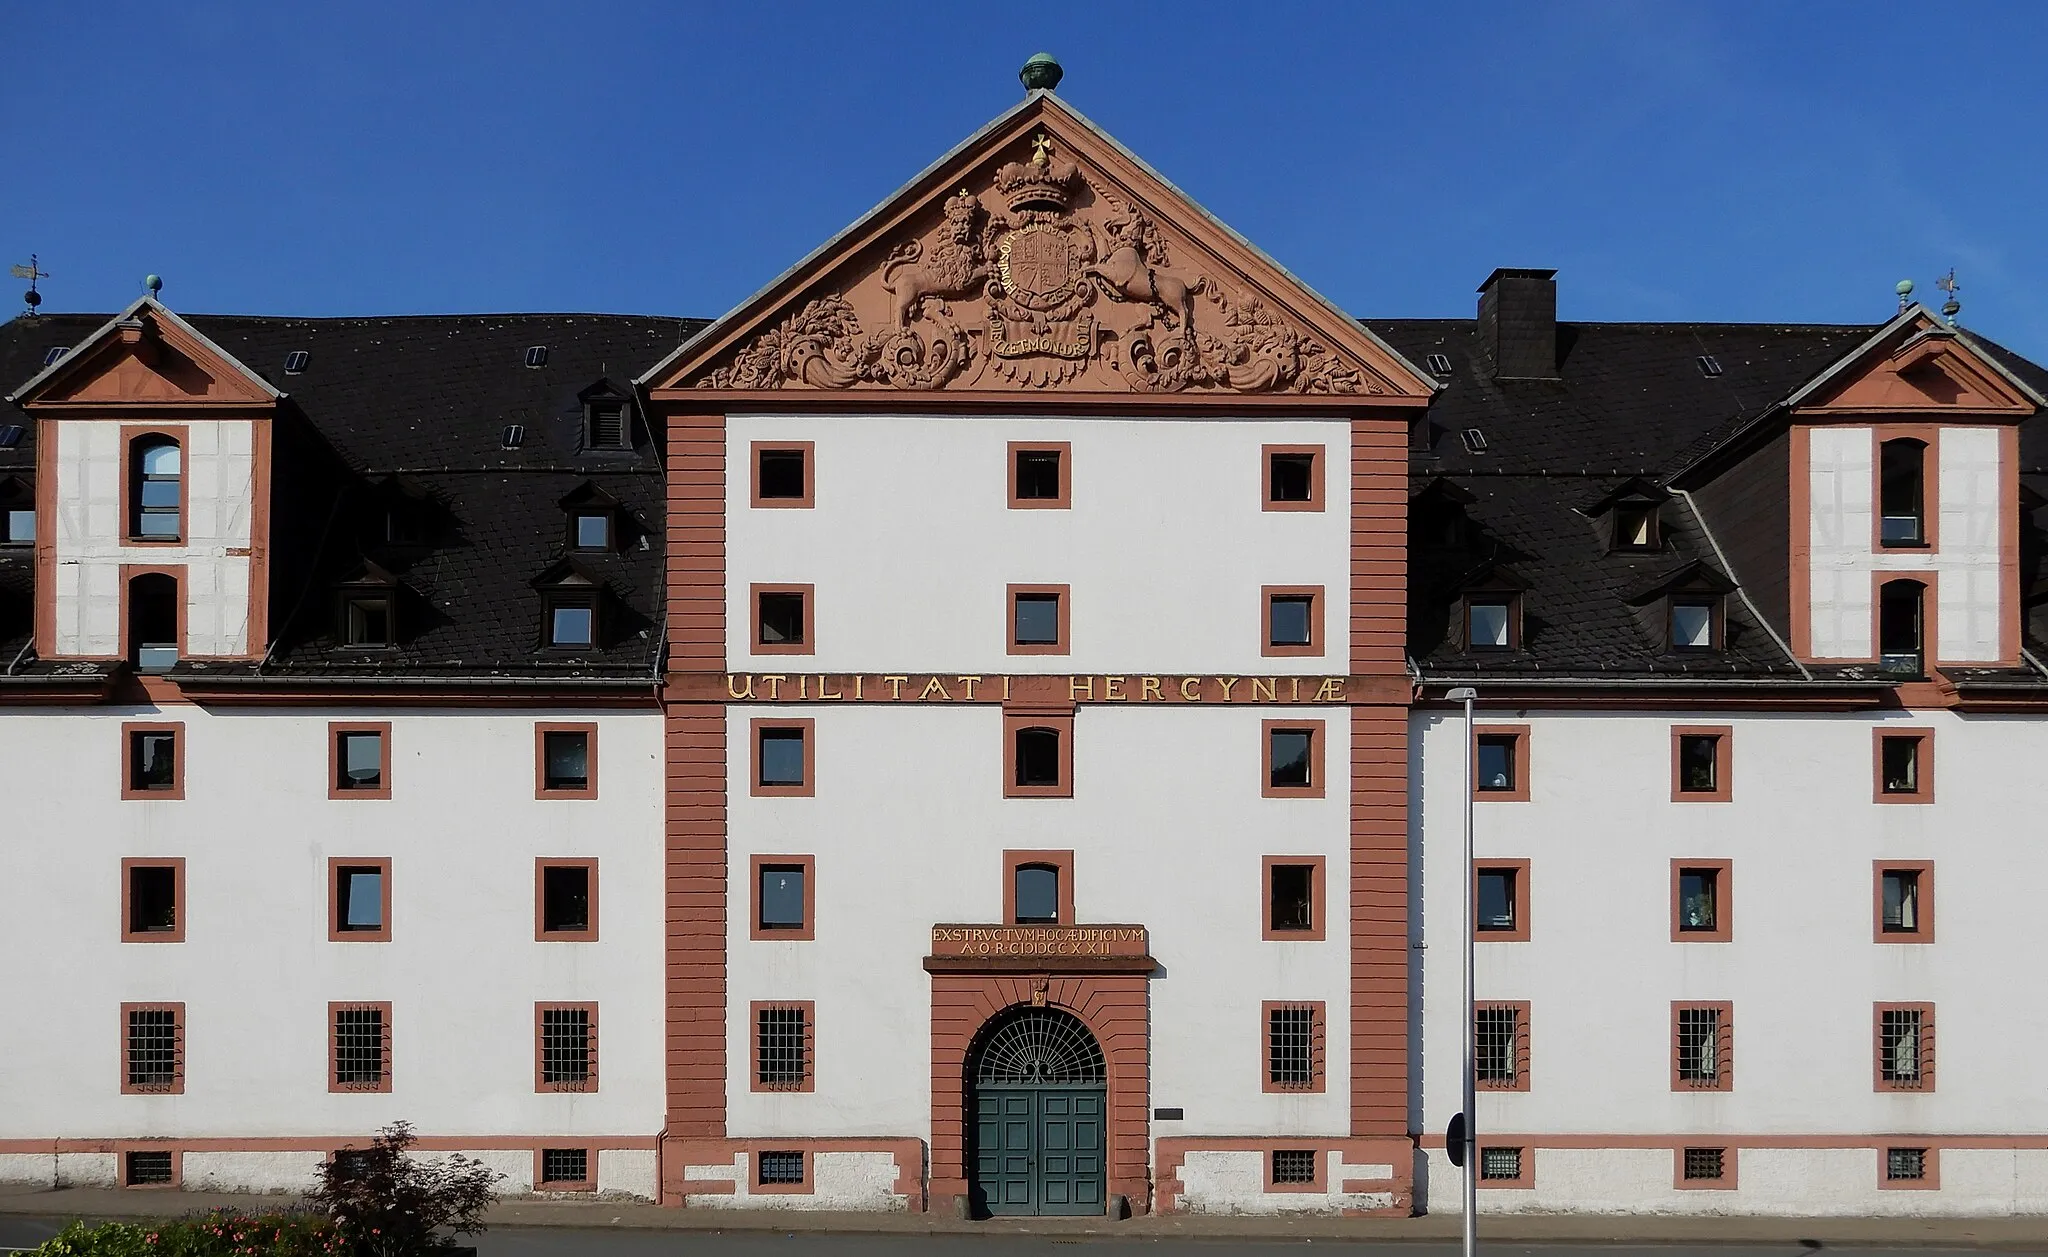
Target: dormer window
pixel 157 489
pixel 17 513
pixel 153 622
pixel 369 622
pixel 1492 621
pixel 590 530
pixel 1902 493
pixel 572 621
pixel 1635 526
pixel 367 607
pixel 592 519
pixel 1901 646
pixel 604 424
pixel 1695 624
pixel 572 601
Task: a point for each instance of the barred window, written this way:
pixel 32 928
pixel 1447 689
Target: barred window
pixel 361 1047
pixel 153 1048
pixel 1291 1047
pixel 1905 1164
pixel 1496 1164
pixel 1699 1046
pixel 565 1165
pixel 779 1167
pixel 781 1047
pixel 1496 1028
pixel 1705 1164
pixel 1294 1165
pixel 146 1169
pixel 568 1048
pixel 1901 1046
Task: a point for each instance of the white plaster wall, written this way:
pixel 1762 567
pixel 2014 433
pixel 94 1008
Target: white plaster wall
pixel 1165 545
pixel 287 1172
pixel 1234 1182
pixel 1964 566
pixel 626 1172
pixel 88 1169
pixel 219 470
pixel 1802 971
pixel 908 827
pixel 256 970
pixel 863 1181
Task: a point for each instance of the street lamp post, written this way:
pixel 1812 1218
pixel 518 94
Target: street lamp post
pixel 1468 1131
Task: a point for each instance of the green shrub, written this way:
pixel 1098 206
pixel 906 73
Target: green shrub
pixel 222 1233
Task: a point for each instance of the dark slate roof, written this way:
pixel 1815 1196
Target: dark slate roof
pixel 416 407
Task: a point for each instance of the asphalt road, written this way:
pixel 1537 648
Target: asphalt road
pixel 17 1233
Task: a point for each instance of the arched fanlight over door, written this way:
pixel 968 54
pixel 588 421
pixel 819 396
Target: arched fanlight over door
pixel 1038 1046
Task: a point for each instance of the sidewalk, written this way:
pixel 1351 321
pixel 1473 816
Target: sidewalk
pixel 2029 1233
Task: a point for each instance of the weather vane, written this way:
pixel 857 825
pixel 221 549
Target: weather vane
pixel 1950 308
pixel 31 273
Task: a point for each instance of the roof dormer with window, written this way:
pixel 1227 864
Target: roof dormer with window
pixel 157 501
pixel 1631 516
pixel 607 418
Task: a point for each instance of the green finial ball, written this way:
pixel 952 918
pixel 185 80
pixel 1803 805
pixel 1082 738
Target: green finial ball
pixel 1041 73
pixel 155 284
pixel 1904 288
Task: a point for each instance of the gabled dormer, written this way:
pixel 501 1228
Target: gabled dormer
pixel 593 520
pixel 368 608
pixel 153 448
pixel 1437 518
pixel 1631 516
pixel 607 418
pixel 402 515
pixel 1487 617
pixel 575 605
pixel 1685 610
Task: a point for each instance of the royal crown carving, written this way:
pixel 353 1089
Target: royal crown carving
pixel 1038 276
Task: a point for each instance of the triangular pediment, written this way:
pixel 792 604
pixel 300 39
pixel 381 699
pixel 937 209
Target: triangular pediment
pixel 1917 366
pixel 1041 257
pixel 147 356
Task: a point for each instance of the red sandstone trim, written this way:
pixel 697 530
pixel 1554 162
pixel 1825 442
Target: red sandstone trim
pixel 541 934
pixel 335 728
pixel 808 449
pixel 1397 1153
pixel 176 1087
pixel 1724 902
pixel 1519 793
pixel 810 1078
pixel 129 571
pixel 176 729
pixel 1724 1050
pixel 1015 722
pixel 908 1154
pixel 1065 449
pixel 541 730
pixel 1319 1072
pixel 1062 644
pixel 809 644
pixel 1799 474
pixel 1316 612
pixel 805 789
pixel 1929 1051
pixel 1520 869
pixel 588 1183
pixel 1318 899
pixel 334 1083
pixel 1930 1181
pixel 126 537
pixel 1929 436
pixel 1729 1160
pixel 1061 862
pixel 335 932
pixel 1724 758
pixel 1923 767
pixel 808 1186
pixel 589 1084
pixel 177 1179
pixel 176 934
pixel 1318 734
pixel 1923 931
pixel 1525 1181
pixel 755 930
pixel 1318 456
pixel 1520 1007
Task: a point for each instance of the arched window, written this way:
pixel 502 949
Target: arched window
pixel 1901 645
pixel 157 493
pixel 153 621
pixel 1902 492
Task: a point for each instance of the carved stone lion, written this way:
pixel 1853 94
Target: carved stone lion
pixel 954 267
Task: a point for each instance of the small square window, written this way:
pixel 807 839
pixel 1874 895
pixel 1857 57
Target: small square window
pixel 359 757
pixel 359 893
pixel 1497 901
pixel 782 757
pixel 369 622
pixel 1692 626
pixel 1288 761
pixel 780 1168
pixel 593 530
pixel 572 624
pixel 565 898
pixel 1040 475
pixel 1705 1164
pixel 1905 1164
pixel 1699 757
pixel 1496 763
pixel 1635 526
pixel 564 1165
pixel 153 762
pixel 783 475
pixel 1037 620
pixel 783 897
pixel 1500 1164
pixel 1489 623
pixel 1291 899
pixel 1289 620
pixel 20 526
pixel 1294 478
pixel 147 1169
pixel 565 759
pixel 782 619
pixel 1294 1165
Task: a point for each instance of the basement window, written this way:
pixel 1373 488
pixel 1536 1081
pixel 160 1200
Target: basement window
pixel 147 1169
pixel 1294 1165
pixel 781 1168
pixel 564 1166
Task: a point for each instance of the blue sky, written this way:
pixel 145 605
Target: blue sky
pixel 1738 161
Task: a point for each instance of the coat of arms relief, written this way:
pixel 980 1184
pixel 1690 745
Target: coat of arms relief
pixel 1042 278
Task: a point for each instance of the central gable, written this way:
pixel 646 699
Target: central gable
pixel 146 356
pixel 1041 257
pixel 1916 366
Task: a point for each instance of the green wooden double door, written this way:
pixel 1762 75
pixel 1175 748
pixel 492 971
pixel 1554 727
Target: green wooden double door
pixel 1039 1149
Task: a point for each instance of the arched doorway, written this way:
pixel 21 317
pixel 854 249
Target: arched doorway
pixel 1037 1102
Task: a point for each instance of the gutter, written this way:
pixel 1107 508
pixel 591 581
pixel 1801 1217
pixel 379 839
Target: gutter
pixel 26 647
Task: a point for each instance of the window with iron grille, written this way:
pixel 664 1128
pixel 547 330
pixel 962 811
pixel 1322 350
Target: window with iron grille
pixel 779 1167
pixel 361 1046
pixel 1699 1046
pixel 1905 1164
pixel 146 1169
pixel 1497 1164
pixel 153 1063
pixel 568 1048
pixel 781 1047
pixel 1496 1029
pixel 565 1165
pixel 1291 1047
pixel 1901 1047
pixel 1294 1165
pixel 1705 1164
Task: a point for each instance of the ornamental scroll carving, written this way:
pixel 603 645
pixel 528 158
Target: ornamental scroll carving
pixel 1042 278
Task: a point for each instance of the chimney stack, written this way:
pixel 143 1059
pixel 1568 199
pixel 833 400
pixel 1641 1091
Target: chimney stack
pixel 1518 322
